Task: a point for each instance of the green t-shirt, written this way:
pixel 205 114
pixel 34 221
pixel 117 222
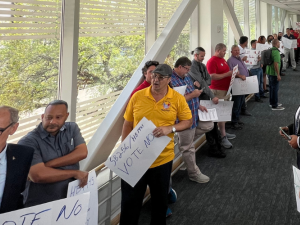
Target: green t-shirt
pixel 276 58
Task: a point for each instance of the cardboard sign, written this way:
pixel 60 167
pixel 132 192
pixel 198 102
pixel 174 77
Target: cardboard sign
pixel 223 108
pixel 243 87
pixel 92 188
pixel 137 152
pixel 68 211
pixel 234 72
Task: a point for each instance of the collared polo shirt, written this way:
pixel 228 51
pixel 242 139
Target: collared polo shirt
pixel 3 169
pixel 233 61
pixel 47 147
pixel 161 113
pixel 178 81
pixel 141 87
pixel 276 58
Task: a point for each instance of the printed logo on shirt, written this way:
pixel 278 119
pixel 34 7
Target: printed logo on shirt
pixel 166 106
pixel 222 64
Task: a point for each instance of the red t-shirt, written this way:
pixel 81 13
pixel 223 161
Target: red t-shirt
pixel 217 65
pixel 142 86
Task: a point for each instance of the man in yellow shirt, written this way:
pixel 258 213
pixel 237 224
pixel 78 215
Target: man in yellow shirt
pixel 162 105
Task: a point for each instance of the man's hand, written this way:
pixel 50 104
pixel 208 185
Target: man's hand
pixel 83 177
pixel 162 131
pixel 196 83
pixel 258 58
pixel 215 100
pixel 286 130
pixel 278 78
pixel 243 77
pixel 203 108
pixel 293 143
pixel 244 58
pixel 196 93
pixel 229 73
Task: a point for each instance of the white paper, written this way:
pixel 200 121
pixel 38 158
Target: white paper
pixel 294 43
pixel 224 109
pixel 287 43
pixel 92 188
pixel 210 115
pixel 252 57
pixel 296 173
pixel 137 152
pixel 180 89
pixel 67 211
pixel 234 72
pixel 261 47
pixel 281 48
pixel 243 87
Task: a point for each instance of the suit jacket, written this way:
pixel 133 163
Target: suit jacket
pixel 19 159
pixel 292 128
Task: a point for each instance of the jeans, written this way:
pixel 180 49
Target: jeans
pixel 238 101
pixel 158 179
pixel 259 73
pixel 273 89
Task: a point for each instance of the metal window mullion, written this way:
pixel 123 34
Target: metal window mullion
pixel 246 18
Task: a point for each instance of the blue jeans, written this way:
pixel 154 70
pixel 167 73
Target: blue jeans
pixel 238 101
pixel 259 73
pixel 274 87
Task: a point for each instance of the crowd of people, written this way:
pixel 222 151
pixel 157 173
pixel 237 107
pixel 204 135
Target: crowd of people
pixel 38 169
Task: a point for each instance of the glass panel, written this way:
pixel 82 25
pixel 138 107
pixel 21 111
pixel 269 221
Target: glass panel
pixel 273 20
pixel 252 19
pixel 225 35
pixel 239 11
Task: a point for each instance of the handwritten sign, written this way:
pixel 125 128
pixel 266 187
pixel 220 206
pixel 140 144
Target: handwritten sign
pixel 243 87
pixel 137 152
pixel 180 89
pixel 261 47
pixel 234 73
pixel 252 57
pixel 224 109
pixel 210 115
pixel 68 211
pixel 289 43
pixel 296 173
pixel 74 189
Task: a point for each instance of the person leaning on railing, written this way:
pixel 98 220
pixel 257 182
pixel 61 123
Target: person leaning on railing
pixel 162 105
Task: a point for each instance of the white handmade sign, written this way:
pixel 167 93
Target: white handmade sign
pixel 289 43
pixel 234 73
pixel 210 115
pixel 296 173
pixel 294 43
pixel 137 152
pixel 252 57
pixel 224 109
pixel 261 47
pixel 91 187
pixel 180 89
pixel 68 211
pixel 244 87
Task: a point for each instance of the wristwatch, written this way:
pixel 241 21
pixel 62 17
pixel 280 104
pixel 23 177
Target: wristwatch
pixel 173 129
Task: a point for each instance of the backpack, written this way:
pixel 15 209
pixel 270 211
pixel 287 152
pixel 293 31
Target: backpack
pixel 266 57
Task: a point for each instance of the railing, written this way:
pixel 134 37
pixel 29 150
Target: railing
pixel 89 115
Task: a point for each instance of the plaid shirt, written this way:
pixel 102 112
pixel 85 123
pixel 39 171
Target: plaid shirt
pixel 177 81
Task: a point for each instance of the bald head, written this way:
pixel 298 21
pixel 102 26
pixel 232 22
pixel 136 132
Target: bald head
pixel 276 43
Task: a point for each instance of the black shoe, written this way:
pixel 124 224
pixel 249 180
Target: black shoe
pixel 217 154
pixel 264 96
pixel 266 91
pixel 259 100
pixel 246 113
pixel 295 69
pixel 241 123
pixel 236 126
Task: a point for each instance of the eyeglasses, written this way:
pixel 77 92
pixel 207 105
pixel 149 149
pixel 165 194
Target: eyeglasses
pixel 160 78
pixel 3 129
pixel 187 69
pixel 151 63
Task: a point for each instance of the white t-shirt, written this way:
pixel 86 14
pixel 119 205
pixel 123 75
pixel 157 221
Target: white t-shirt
pixel 3 168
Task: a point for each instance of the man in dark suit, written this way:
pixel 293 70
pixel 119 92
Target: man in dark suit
pixel 15 161
pixel 294 131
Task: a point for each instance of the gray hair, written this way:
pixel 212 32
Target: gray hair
pixel 58 102
pixel 220 47
pixel 234 46
pixel 14 113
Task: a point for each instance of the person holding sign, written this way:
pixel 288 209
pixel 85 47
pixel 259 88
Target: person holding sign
pixel 289 52
pixel 186 137
pixel 15 162
pixel 221 75
pixel 162 105
pixel 58 148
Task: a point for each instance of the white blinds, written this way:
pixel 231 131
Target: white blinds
pixel 111 18
pixel 29 19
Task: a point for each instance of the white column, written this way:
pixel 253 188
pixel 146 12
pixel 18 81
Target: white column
pixel 276 19
pixel 294 20
pixel 266 18
pixel 286 22
pixel 151 23
pixel 211 25
pixel 230 34
pixel 246 19
pixel 258 18
pixel 195 30
pixel 69 55
pixel 283 16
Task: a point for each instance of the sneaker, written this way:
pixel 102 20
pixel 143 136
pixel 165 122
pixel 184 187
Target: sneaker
pixel 278 108
pixel 241 123
pixel 172 196
pixel 235 126
pixel 266 91
pixel 295 69
pixel 283 70
pixel 278 105
pixel 200 178
pixel 225 143
pixel 169 212
pixel 230 136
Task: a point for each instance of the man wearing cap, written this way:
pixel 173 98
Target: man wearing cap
pixel 162 105
pixel 186 137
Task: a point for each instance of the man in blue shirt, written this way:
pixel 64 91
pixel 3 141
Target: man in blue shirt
pixel 186 137
pixel 234 60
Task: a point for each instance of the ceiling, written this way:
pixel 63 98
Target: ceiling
pixel 290 5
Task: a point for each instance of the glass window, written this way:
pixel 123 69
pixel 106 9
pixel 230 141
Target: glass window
pixel 239 12
pixel 273 20
pixel 252 19
pixel 225 34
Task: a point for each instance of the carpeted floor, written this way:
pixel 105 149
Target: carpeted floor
pixel 254 183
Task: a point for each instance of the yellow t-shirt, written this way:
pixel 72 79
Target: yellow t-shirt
pixel 161 113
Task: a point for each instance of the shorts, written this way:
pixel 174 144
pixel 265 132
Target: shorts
pixel 220 94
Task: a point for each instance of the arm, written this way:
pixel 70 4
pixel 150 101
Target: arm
pixel 243 77
pixel 195 94
pixel 79 153
pixel 164 131
pixel 127 128
pixel 277 71
pixel 215 76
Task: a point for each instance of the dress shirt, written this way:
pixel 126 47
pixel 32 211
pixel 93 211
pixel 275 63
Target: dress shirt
pixel 3 168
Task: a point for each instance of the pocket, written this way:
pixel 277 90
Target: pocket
pixel 69 147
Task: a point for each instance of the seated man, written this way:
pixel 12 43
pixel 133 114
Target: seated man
pixel 15 162
pixel 58 148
